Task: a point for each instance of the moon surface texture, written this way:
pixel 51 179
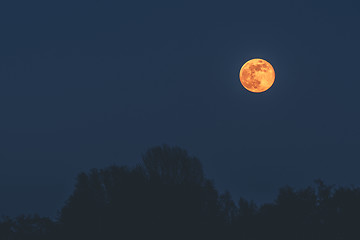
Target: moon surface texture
pixel 257 75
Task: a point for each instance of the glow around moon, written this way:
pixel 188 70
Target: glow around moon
pixel 257 75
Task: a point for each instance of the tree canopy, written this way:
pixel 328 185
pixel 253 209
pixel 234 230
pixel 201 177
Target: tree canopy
pixel 167 196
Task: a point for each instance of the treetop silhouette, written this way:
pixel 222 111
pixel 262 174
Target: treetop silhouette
pixel 168 197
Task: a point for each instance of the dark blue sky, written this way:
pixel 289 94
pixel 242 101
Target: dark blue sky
pixel 86 84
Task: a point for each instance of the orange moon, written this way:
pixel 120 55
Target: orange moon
pixel 257 75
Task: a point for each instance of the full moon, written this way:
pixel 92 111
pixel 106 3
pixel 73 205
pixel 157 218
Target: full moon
pixel 257 75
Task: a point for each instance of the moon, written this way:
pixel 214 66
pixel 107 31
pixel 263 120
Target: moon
pixel 257 75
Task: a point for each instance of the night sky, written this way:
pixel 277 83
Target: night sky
pixel 87 84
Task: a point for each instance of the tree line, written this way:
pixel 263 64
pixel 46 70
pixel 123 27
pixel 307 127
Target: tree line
pixel 167 196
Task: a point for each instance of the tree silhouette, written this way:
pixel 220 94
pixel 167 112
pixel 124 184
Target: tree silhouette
pixel 172 165
pixel 167 196
pixel 31 227
pixel 245 220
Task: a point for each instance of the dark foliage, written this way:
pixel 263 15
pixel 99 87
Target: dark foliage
pixel 168 197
